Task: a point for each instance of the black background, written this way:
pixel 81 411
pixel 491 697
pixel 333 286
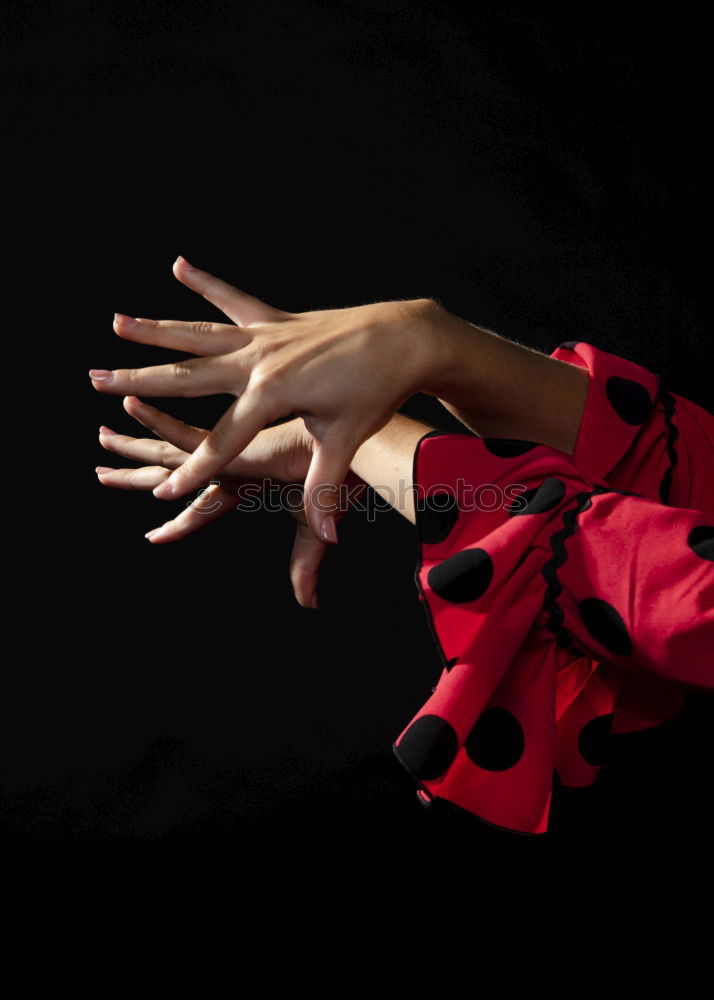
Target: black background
pixel 175 721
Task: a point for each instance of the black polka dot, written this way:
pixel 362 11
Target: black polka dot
pixel 428 747
pixel 508 447
pixel 462 577
pixel 520 506
pixel 593 739
pixel 496 741
pixel 438 514
pixel 605 624
pixel 701 541
pixel 539 499
pixel 630 400
pixel 569 345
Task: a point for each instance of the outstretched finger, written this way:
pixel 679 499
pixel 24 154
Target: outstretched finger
pixel 200 337
pixel 233 432
pixel 213 503
pixel 189 377
pixel 145 478
pixel 147 450
pixel 242 308
pixel 177 432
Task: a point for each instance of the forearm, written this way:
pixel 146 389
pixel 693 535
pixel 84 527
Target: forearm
pixel 385 462
pixel 498 388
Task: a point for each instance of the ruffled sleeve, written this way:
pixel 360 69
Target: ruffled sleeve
pixel 549 593
pixel 637 435
pixel 621 402
pixel 632 582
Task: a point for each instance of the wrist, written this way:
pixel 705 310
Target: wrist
pixel 451 350
pixel 501 388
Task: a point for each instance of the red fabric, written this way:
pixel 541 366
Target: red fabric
pixel 576 611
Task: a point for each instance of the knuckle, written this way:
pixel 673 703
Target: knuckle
pixel 202 328
pixel 260 381
pixel 267 379
pixel 181 370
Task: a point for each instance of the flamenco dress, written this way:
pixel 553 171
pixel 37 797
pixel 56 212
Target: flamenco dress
pixel 570 596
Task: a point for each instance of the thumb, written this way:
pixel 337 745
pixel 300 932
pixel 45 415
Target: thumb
pixel 328 469
pixel 233 432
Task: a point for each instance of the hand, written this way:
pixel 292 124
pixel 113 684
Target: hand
pixel 345 371
pixel 279 453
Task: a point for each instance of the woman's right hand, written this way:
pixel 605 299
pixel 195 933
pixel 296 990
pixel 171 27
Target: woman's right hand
pixel 279 454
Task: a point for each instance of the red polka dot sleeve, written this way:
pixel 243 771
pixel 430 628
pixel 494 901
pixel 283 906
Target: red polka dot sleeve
pixel 569 597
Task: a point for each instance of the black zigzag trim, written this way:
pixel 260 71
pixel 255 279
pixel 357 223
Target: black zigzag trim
pixel 554 587
pixel 669 405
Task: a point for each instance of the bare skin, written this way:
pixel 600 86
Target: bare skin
pixel 499 388
pixel 345 372
pixel 282 453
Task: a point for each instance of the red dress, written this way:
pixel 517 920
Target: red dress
pixel 569 596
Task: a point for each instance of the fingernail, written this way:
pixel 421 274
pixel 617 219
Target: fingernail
pixel 153 533
pixel 128 320
pixel 164 490
pixel 184 262
pixel 106 430
pixel 329 531
pixel 100 374
pixel 102 470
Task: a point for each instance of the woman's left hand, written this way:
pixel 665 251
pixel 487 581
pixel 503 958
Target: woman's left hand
pixel 278 454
